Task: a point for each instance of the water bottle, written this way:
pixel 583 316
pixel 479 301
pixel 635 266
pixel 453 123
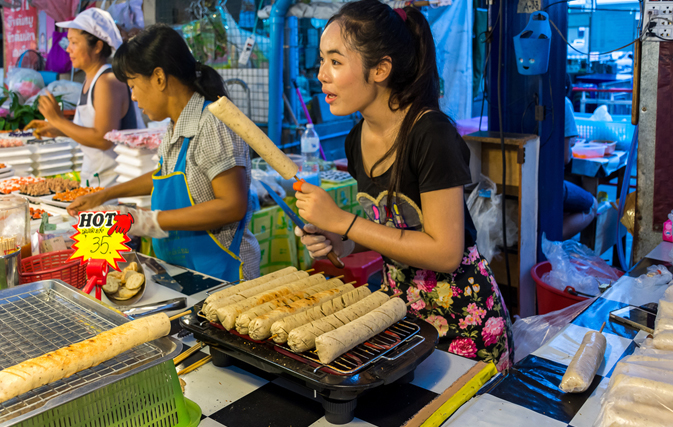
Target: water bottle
pixel 310 145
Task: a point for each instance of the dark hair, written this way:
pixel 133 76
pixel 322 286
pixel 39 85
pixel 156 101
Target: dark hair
pixel 92 40
pixel 376 31
pixel 160 46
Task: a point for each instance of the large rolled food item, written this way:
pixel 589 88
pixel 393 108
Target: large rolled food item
pixel 333 344
pixel 246 317
pixel 211 313
pixel 641 416
pixel 585 363
pixel 303 338
pixel 228 315
pixel 664 320
pixel 66 361
pixel 227 112
pixel 232 290
pixel 260 328
pixel 282 328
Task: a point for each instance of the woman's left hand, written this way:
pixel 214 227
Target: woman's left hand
pixel 49 107
pixel 318 208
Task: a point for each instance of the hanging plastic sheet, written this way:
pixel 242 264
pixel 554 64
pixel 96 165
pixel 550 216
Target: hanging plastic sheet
pixel 59 10
pixel 452 29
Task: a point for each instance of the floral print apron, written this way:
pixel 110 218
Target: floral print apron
pixel 465 306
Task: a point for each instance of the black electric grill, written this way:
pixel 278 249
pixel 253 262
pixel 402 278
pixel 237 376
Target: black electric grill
pixel 391 356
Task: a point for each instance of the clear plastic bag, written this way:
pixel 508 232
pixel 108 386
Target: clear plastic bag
pixel 656 275
pixel 585 363
pixel 485 207
pixel 24 81
pixel 270 180
pixel 574 264
pixel 531 333
pixel 68 91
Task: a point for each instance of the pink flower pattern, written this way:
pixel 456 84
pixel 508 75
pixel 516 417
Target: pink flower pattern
pixel 471 318
pixel 463 347
pixel 492 330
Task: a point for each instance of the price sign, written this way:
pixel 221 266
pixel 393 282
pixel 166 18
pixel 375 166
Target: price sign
pixel 101 236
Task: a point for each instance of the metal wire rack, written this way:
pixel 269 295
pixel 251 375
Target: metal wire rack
pixel 372 350
pixel 43 319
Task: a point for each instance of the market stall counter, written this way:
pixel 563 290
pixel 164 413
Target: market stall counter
pixel 530 395
pixel 254 384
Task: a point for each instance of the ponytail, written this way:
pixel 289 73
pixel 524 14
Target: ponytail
pixel 160 46
pixel 377 31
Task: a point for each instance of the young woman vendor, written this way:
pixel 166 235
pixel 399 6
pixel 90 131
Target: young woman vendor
pixel 410 165
pixel 200 191
pixel 105 103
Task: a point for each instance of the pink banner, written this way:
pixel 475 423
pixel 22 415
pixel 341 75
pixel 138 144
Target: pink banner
pixel 20 32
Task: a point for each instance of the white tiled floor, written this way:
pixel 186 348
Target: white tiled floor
pixel 589 411
pixel 355 423
pixel 491 411
pixel 440 370
pixel 564 346
pixel 214 388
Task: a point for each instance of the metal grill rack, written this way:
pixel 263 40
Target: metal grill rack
pixel 45 316
pixel 369 352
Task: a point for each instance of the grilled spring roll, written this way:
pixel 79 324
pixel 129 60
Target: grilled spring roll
pixel 303 338
pixel 281 328
pixel 233 290
pixel 260 328
pixel 228 315
pixel 333 344
pixel 211 312
pixel 245 318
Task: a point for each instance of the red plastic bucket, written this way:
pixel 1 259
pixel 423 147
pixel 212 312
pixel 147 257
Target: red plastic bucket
pixel 549 298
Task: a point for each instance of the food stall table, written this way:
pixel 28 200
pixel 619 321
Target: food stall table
pixel 241 394
pixel 529 395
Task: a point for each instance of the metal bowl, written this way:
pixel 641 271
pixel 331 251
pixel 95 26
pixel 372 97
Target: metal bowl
pixel 130 257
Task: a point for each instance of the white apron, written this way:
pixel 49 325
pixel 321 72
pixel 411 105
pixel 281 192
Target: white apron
pixel 96 160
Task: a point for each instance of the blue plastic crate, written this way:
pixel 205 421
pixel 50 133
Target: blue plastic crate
pixel 620 129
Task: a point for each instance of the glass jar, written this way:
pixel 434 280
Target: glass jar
pixel 15 221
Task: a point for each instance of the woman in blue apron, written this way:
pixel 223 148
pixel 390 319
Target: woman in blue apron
pixel 200 191
pixel 105 103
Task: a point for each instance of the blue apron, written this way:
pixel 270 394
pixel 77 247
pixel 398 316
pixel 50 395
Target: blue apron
pixel 196 250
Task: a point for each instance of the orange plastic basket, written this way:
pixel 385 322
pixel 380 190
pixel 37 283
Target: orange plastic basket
pixel 53 265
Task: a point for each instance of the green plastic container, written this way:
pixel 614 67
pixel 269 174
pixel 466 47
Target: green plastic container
pixel 149 398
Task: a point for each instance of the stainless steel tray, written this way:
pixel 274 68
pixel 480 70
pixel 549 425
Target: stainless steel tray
pixel 44 316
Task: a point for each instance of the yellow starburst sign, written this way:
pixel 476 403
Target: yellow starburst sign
pixel 101 235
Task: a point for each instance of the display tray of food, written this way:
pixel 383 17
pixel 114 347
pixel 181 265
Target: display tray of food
pixel 59 344
pixel 10 185
pixel 36 213
pixel 48 186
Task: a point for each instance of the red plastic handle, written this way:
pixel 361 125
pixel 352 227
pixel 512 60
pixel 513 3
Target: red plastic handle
pixel 89 285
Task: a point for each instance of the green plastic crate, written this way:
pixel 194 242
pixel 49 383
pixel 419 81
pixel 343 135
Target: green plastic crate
pixel 149 398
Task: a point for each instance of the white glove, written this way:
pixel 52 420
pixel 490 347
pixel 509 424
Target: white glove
pixel 145 222
pixel 319 243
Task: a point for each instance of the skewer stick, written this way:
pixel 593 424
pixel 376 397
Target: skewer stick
pixel 196 365
pixel 601 330
pixel 181 357
pixel 413 302
pixel 274 336
pixel 397 295
pixel 351 283
pixel 177 316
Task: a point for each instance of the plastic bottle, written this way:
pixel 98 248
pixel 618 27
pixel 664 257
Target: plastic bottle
pixel 310 146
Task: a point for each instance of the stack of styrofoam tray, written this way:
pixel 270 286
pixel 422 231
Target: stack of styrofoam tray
pixel 52 159
pixel 20 158
pixel 132 163
pixel 6 172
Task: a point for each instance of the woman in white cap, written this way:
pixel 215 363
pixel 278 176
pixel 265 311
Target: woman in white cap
pixel 105 103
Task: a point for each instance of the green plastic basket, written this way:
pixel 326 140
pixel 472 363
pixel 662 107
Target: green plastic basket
pixel 149 398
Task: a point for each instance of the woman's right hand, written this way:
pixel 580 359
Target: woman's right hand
pixel 320 242
pixel 43 128
pixel 87 202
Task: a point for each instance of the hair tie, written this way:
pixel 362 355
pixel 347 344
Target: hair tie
pixel 402 14
pixel 198 69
